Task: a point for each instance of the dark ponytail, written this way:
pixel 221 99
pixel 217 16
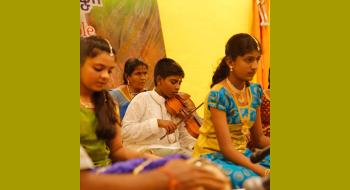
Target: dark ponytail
pixel 107 119
pixel 221 72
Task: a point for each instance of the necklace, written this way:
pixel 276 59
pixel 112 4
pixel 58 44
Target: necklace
pixel 89 105
pixel 240 94
pixel 131 94
pixel 245 120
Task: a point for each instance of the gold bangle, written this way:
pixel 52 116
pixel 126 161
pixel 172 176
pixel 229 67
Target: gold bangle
pixel 172 181
pixel 267 172
pixel 140 167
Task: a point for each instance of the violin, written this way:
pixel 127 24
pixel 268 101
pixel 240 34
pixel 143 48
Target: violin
pixel 183 107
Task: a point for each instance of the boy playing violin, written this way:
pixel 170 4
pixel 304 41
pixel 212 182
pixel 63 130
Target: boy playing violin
pixel 147 125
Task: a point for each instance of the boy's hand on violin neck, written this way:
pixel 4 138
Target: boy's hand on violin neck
pixel 168 125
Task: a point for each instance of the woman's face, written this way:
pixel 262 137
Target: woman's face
pixel 137 79
pixel 96 72
pixel 245 67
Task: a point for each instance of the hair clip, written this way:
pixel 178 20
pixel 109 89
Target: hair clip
pixel 110 48
pixel 257 43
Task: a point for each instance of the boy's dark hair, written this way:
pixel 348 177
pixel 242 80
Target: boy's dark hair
pixel 167 67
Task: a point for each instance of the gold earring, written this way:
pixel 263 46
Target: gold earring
pixel 231 68
pixel 105 95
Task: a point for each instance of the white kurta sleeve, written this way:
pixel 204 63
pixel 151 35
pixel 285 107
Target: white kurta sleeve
pixel 185 139
pixel 135 130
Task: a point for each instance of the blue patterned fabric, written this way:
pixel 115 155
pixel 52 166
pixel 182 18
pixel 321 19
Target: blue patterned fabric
pixel 207 145
pixel 222 100
pixel 236 173
pixel 122 99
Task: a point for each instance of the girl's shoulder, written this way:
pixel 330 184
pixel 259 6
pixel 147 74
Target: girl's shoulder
pixel 256 88
pixel 219 90
pixel 255 85
pixel 219 87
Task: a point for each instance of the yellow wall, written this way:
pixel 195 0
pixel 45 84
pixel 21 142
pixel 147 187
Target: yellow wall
pixel 195 33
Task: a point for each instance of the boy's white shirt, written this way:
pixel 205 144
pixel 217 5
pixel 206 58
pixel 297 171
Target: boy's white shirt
pixel 140 129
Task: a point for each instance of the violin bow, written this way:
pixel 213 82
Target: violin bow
pixel 189 114
pixel 185 118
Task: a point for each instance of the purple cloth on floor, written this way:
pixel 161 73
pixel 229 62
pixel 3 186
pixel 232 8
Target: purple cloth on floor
pixel 130 165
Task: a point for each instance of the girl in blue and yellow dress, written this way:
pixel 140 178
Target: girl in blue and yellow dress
pixel 232 113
